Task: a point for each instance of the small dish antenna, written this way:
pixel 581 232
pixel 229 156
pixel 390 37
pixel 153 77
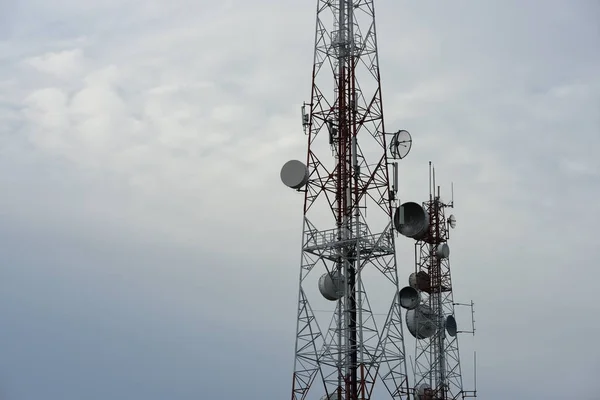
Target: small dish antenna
pixel 442 250
pixel 452 221
pixel 409 298
pixel 451 326
pixel 411 220
pixel 401 144
pixel 421 391
pixel 332 286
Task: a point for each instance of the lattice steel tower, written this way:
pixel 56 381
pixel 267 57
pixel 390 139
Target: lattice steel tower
pixel 349 342
pixel 431 315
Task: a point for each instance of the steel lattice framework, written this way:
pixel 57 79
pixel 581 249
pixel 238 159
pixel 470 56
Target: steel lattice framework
pixel 348 173
pixel 433 322
pixel 437 362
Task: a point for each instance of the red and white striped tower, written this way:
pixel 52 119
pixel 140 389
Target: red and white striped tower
pixel 349 338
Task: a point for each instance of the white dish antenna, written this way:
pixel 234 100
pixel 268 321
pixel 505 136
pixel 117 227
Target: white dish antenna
pixel 443 250
pixel 452 221
pixel 401 144
pixel 421 322
pixel 294 174
pixel 331 286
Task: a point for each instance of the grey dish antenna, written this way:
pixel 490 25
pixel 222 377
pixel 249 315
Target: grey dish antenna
pixel 452 221
pixel 401 144
pixel 331 286
pixel 451 326
pixel 294 174
pixel 442 250
pixel 411 220
pixel 421 391
pixel 421 322
pixel 409 298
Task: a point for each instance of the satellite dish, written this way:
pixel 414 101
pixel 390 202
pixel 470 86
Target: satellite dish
pixel 421 322
pixel 421 389
pixel 401 144
pixel 331 286
pixel 411 220
pixel 420 280
pixel 452 221
pixel 451 326
pixel 409 298
pixel 294 174
pixel 443 250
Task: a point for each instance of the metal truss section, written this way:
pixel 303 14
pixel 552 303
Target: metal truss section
pixel 334 357
pixel 393 366
pixel 437 361
pixel 323 355
pixel 347 52
pixel 327 243
pixel 351 251
pixel 308 341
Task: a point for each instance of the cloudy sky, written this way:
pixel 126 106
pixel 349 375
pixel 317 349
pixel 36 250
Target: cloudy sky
pixel 150 251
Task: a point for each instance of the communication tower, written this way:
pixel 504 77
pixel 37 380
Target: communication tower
pixel 349 334
pixel 431 318
pixel 347 346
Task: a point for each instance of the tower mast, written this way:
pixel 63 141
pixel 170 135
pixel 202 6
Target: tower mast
pixel 346 173
pixel 432 322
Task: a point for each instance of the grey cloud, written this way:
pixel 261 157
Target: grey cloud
pixel 170 132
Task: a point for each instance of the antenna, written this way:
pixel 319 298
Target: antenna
pixel 452 221
pixel 472 316
pixel 430 183
pixel 471 393
pixel 475 371
pixel 305 118
pixel 400 144
pixel 395 181
pixel 433 177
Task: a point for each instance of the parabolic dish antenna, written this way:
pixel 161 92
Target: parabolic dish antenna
pixel 452 221
pixel 420 280
pixel 401 144
pixel 451 326
pixel 331 286
pixel 411 220
pixel 409 298
pixel 294 174
pixel 443 250
pixel 421 322
pixel 421 389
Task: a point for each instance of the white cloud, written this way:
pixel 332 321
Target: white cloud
pixel 65 64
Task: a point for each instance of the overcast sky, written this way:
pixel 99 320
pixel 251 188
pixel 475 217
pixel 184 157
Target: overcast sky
pixel 150 251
